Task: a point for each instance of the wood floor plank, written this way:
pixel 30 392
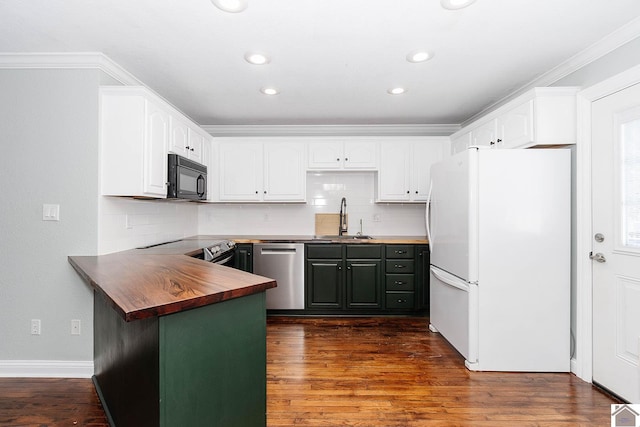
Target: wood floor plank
pixel 390 372
pixel 352 372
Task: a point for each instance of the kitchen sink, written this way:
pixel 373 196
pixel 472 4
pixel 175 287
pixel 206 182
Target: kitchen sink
pixel 336 237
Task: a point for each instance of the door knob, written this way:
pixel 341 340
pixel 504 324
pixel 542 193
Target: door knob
pixel 599 237
pixel 598 257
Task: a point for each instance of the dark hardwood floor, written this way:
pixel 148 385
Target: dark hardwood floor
pixel 354 372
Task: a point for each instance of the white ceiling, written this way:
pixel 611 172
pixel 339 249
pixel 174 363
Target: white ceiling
pixel 332 60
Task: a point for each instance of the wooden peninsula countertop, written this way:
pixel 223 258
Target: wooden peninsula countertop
pixel 165 279
pixel 139 285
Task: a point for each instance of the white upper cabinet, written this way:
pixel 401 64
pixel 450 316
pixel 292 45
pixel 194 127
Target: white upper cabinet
pixel 187 140
pixel 485 134
pixel 261 170
pixel 336 154
pixel 137 131
pixel 134 136
pixel 405 165
pixel 541 116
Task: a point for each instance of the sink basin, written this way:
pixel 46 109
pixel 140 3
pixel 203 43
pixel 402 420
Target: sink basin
pixel 336 237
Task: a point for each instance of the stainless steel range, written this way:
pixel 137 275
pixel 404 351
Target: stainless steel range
pixel 221 252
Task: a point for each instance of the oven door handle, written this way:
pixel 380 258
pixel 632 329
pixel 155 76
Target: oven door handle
pixel 224 261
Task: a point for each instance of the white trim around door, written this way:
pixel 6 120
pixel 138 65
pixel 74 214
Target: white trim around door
pixel 583 363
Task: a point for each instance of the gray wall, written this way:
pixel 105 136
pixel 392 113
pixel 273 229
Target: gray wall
pixel 49 139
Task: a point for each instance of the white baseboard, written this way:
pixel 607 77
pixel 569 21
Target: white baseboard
pixel 46 368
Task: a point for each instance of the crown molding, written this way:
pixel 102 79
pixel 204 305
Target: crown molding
pixel 331 130
pixel 602 47
pixel 76 60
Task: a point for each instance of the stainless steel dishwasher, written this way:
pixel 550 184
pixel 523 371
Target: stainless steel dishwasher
pixel 283 262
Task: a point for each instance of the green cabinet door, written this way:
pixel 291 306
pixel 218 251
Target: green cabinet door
pixel 363 284
pixel 244 257
pixel 324 283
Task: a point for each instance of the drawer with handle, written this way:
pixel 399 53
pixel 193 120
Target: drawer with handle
pixel 399 300
pixel 399 282
pixel 400 266
pixel 399 251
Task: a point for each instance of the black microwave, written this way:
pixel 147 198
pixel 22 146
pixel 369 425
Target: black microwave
pixel 187 179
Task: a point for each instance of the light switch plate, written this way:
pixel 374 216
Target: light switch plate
pixel 50 212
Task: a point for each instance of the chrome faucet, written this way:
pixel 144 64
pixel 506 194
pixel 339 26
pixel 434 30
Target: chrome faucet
pixel 343 217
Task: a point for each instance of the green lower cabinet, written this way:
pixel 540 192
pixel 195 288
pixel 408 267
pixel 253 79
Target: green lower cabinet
pixel 367 278
pixel 206 366
pixel 363 284
pixel 324 284
pixel 213 365
pixel 400 277
pixel 243 257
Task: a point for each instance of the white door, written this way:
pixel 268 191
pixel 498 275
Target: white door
pixel 616 242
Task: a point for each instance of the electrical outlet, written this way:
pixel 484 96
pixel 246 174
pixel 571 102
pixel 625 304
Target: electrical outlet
pixel 75 326
pixel 35 327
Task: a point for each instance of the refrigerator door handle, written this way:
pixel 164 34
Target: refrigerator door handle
pixel 442 276
pixel 427 216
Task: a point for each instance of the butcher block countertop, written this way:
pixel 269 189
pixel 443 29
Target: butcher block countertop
pixel 165 279
pixel 141 285
pixel 393 240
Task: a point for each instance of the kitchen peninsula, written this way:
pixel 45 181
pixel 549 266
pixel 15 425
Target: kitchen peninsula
pixel 177 341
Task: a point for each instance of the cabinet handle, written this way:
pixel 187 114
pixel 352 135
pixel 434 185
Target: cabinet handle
pixel 498 141
pixel 349 268
pixel 265 191
pixel 187 147
pixel 192 149
pixel 416 192
pixel 339 267
pixel 398 282
pixel 399 266
pixel 256 191
pixel 401 252
pixel 338 159
pixel 408 191
pixel 346 159
pixel 401 301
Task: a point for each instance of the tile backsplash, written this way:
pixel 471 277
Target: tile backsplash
pixel 324 192
pixel 126 223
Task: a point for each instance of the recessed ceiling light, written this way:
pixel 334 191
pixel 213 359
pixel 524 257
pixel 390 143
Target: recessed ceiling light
pixel 419 56
pixel 455 4
pixel 396 91
pixel 257 58
pixel 232 6
pixel 269 91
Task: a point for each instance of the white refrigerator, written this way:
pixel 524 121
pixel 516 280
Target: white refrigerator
pixel 499 228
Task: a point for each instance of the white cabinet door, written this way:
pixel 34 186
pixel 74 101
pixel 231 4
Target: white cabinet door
pixel 155 150
pixel 240 170
pixel 394 175
pixel 360 155
pixel 424 155
pixel 485 134
pixel 284 171
pixel 186 140
pixel 195 144
pixel 325 155
pixel 338 155
pixel 460 143
pixel 179 137
pixel 405 168
pixel 515 127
